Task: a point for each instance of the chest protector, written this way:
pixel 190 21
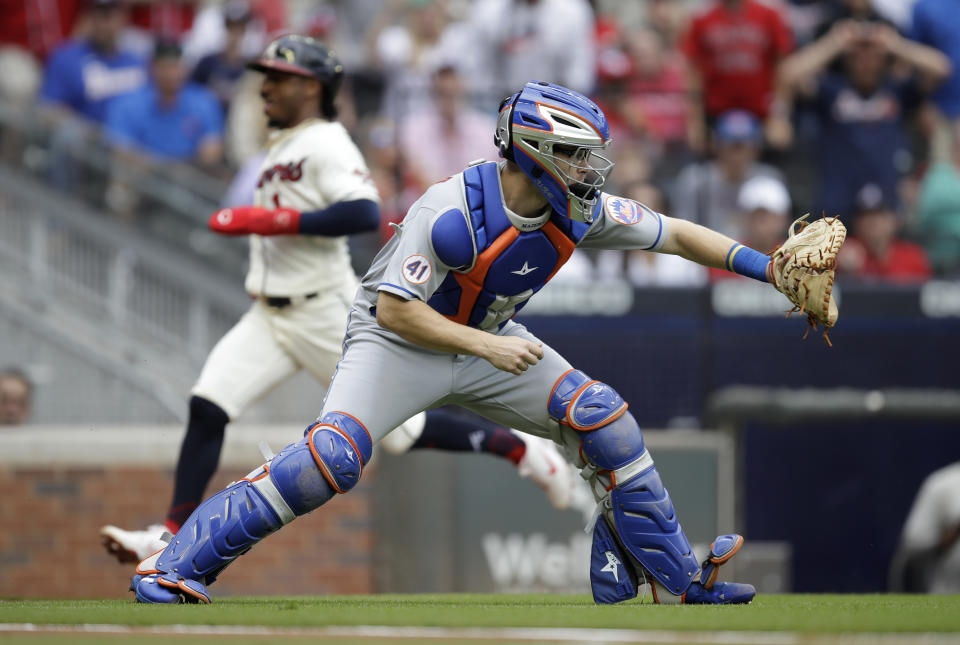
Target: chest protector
pixel 496 267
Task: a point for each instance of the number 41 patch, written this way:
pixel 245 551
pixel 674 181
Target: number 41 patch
pixel 417 269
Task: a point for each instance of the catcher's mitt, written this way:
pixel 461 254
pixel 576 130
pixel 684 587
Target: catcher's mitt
pixel 803 269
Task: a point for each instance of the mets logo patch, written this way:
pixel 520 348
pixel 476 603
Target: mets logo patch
pixel 625 211
pixel 417 269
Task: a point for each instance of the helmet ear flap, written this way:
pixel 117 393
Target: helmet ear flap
pixel 503 137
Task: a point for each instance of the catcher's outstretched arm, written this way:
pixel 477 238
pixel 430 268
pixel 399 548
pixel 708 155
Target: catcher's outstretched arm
pixel 710 248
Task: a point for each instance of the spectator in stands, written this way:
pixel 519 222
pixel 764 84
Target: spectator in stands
pixel 81 78
pixel 707 192
pixel 873 252
pixel 928 558
pixel 442 139
pixel 210 33
pixel 84 75
pixel 765 207
pixel 37 27
pixel 16 391
pixel 863 110
pixel 163 19
pixel 936 23
pixel 168 119
pixel 668 19
pixel 807 18
pixel 518 40
pixel 938 217
pixel 734 48
pixel 221 71
pixel 645 96
pixel 408 39
pixel 29 31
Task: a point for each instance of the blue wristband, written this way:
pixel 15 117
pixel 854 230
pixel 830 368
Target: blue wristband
pixel 745 261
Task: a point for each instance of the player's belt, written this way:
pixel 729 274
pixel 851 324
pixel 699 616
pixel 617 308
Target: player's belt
pixel 279 302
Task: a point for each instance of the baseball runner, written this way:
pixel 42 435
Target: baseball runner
pixel 433 324
pixel 313 191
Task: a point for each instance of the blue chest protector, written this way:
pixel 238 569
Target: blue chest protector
pixel 496 267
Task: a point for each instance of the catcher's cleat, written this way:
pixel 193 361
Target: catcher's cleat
pixel 722 549
pixel 132 546
pixel 170 589
pixel 722 593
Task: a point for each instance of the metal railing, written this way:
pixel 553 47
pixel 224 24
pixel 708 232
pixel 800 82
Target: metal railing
pixel 127 315
pixel 113 274
pixel 173 199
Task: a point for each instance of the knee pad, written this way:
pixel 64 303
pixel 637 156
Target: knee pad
pixel 625 482
pixel 605 434
pixel 341 445
pixel 329 459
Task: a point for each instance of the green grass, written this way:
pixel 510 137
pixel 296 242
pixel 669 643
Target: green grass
pixel 796 613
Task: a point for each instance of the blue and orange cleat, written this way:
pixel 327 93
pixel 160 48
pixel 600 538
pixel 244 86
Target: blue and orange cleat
pixel 169 588
pixel 720 593
pixel 723 548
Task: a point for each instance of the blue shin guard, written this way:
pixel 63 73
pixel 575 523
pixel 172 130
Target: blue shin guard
pixel 649 529
pixel 638 533
pixel 612 578
pixel 301 477
pixel 638 515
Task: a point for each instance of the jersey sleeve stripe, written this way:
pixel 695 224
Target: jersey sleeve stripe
pixel 659 232
pixel 388 286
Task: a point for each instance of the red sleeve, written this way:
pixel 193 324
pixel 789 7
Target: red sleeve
pixel 692 40
pixel 918 266
pixel 782 36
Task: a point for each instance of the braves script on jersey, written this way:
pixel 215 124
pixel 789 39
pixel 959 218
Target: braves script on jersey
pixel 307 168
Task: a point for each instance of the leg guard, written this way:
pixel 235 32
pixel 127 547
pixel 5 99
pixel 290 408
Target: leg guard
pixel 636 507
pixel 611 576
pixel 301 477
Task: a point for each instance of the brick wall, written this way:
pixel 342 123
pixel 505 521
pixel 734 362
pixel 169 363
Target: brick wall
pixel 50 517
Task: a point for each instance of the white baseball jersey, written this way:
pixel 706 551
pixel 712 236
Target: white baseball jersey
pixel 308 167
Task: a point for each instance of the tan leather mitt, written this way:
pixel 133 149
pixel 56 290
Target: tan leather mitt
pixel 803 269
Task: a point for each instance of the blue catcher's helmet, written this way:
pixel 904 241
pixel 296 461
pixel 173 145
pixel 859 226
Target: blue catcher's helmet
pixel 555 135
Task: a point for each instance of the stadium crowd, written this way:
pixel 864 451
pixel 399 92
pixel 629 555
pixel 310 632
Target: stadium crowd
pixel 739 114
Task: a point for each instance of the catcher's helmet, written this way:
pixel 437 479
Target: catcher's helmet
pixel 545 119
pixel 303 56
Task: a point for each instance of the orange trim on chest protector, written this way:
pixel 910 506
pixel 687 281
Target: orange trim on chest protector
pixel 471 283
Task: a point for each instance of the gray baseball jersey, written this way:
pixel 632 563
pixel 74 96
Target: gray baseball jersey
pixel 382 379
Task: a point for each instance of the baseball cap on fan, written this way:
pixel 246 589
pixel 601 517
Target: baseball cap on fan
pixel 236 12
pixel 764 193
pixel 871 198
pixel 736 126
